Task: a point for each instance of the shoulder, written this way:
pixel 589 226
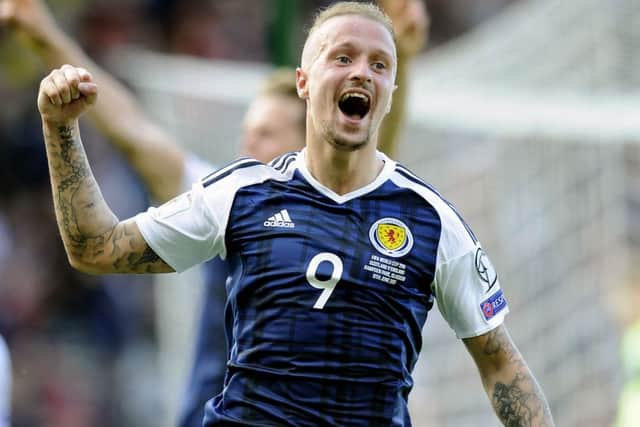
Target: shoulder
pixel 456 237
pixel 248 171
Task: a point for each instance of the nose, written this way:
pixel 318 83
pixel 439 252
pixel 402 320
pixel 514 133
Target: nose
pixel 361 70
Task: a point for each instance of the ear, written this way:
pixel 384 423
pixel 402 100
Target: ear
pixel 302 83
pixel 388 109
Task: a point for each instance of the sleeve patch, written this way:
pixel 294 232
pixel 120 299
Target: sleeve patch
pixel 493 305
pixel 485 269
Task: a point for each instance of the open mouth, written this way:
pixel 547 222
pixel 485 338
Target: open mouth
pixel 354 105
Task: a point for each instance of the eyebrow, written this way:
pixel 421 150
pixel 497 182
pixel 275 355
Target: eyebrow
pixel 349 45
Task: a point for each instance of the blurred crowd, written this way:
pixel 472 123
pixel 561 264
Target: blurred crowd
pixel 83 347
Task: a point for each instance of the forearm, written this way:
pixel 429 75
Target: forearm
pixel 410 23
pixel 81 212
pixel 515 395
pixel 389 138
pixel 151 151
pixel 94 239
pixel 518 400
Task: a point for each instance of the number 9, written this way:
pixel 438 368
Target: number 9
pixel 328 285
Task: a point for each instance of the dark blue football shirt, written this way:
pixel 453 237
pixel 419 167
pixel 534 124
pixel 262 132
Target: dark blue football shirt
pixel 328 293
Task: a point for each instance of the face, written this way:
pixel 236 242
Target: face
pixel 347 78
pixel 273 126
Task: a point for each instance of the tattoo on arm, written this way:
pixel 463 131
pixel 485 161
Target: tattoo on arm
pixel 512 403
pixel 70 184
pixel 88 227
pixel 519 400
pixel 148 256
pixel 130 253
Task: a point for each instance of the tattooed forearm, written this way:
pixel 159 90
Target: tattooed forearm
pixel 519 402
pixel 512 403
pixel 82 212
pixel 94 238
pixel 514 392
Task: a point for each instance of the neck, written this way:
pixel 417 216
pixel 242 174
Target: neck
pixel 342 171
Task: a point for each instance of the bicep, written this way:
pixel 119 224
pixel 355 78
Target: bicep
pixel 493 352
pixel 123 249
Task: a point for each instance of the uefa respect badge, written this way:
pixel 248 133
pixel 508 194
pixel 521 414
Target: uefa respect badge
pixel 493 305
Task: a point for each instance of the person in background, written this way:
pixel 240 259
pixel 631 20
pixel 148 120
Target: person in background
pixel 274 124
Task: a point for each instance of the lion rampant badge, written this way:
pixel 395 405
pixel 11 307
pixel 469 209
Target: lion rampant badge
pixel 391 237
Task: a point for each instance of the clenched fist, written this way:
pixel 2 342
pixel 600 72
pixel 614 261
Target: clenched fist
pixel 65 94
pixel 29 17
pixel 410 23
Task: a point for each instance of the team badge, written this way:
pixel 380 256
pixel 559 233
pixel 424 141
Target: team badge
pixel 485 269
pixel 391 237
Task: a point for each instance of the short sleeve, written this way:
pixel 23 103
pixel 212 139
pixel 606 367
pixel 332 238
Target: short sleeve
pixel 469 295
pixel 184 231
pixel 190 229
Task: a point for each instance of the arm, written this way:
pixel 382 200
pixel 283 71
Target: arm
pixel 515 394
pixel 94 239
pixel 152 153
pixel 411 23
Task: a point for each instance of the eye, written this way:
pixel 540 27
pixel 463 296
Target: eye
pixel 343 59
pixel 379 66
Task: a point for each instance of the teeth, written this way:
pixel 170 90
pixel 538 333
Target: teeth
pixel 354 95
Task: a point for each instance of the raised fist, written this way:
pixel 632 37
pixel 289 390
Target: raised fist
pixel 65 94
pixel 30 18
pixel 410 23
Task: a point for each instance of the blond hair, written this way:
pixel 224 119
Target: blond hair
pixel 366 10
pixel 281 82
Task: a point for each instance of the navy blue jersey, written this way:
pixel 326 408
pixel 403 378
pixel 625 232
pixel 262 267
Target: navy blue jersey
pixel 210 358
pixel 328 293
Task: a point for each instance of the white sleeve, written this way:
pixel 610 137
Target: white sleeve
pixel 184 231
pixel 190 229
pixel 468 294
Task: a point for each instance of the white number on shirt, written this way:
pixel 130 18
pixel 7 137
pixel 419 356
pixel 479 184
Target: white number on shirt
pixel 328 285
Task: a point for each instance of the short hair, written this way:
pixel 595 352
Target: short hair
pixel 282 83
pixel 366 10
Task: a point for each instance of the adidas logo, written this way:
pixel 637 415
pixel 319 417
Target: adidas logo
pixel 281 219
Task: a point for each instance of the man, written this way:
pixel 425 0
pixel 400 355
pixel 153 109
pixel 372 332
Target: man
pixel 336 252
pixel 274 124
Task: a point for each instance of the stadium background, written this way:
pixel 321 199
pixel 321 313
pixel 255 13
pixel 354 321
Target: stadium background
pixel 524 113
